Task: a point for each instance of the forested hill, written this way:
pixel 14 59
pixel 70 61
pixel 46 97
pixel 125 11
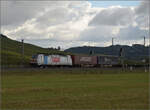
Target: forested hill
pixel 135 51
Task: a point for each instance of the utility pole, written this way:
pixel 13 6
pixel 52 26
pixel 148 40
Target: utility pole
pixel 112 46
pixel 144 40
pixel 22 51
pixel 121 57
pixel 112 41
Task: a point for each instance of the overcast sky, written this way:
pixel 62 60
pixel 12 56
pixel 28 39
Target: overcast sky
pixel 75 23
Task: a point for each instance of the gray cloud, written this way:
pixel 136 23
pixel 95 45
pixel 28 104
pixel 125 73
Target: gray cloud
pixel 96 34
pixel 17 12
pixel 143 8
pixel 142 14
pixel 132 33
pixel 54 17
pixel 13 13
pixel 113 17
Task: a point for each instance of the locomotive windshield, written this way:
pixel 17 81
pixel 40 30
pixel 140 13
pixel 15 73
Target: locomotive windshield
pixel 34 56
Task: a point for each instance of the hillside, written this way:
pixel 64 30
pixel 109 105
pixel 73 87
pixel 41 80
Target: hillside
pixel 11 51
pixel 135 52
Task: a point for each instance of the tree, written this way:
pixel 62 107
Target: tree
pixel 58 47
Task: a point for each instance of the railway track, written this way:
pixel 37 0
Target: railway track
pixel 66 68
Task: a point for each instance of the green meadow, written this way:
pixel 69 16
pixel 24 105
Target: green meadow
pixel 75 88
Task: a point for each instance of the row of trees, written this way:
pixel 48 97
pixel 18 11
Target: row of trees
pixel 52 48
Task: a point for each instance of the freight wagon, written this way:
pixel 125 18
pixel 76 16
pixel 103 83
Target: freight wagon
pixel 84 60
pixel 108 60
pixel 51 60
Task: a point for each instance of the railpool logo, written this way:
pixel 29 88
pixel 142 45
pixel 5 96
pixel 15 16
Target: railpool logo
pixel 85 59
pixel 55 59
pixel 107 60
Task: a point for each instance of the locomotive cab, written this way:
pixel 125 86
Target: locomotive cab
pixel 33 60
pixel 37 60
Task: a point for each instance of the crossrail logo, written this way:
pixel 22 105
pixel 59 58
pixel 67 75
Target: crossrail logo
pixel 55 59
pixel 85 59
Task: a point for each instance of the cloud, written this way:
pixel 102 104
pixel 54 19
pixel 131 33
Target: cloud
pixel 113 16
pixel 72 23
pixel 18 12
pixel 123 23
pixel 13 13
pixel 97 34
pixel 53 20
pixel 142 15
pixel 132 33
pixel 55 16
pixel 143 8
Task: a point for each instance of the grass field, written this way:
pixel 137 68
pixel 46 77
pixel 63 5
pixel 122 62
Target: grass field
pixel 75 89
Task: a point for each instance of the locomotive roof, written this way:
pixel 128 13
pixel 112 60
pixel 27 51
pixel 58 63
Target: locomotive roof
pixel 51 53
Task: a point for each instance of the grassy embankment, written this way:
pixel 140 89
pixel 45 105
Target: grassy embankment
pixel 74 89
pixel 11 52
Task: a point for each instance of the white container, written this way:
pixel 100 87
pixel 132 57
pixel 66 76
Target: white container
pixel 59 60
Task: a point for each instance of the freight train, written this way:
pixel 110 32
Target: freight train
pixel 44 60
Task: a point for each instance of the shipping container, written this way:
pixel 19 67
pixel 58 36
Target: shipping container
pixel 59 60
pixel 84 60
pixel 108 60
